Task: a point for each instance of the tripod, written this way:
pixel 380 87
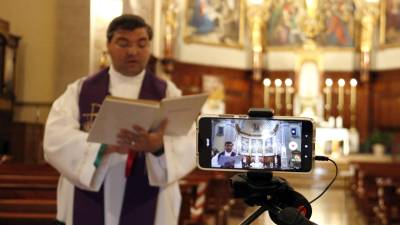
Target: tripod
pixel 272 194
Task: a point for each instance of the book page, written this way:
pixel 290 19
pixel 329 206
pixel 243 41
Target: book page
pixel 229 161
pixel 181 112
pixel 134 101
pixel 116 114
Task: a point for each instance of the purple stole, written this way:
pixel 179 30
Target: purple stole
pixel 140 199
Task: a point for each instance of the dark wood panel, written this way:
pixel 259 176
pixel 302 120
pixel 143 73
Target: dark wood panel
pixel 189 78
pixel 27 142
pixel 377 101
pixel 386 100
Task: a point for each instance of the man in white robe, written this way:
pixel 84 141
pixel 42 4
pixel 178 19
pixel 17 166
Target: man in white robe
pixel 66 148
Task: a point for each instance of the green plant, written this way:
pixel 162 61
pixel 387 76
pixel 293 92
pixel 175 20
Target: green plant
pixel 377 137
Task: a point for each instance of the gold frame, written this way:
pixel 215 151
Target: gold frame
pixel 382 27
pixel 190 37
pixel 297 48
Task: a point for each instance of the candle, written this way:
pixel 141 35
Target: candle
pixel 341 84
pixel 353 84
pixel 328 92
pixel 288 95
pixel 267 84
pixel 278 105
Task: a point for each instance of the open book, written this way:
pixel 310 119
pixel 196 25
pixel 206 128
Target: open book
pixel 117 113
pixel 224 160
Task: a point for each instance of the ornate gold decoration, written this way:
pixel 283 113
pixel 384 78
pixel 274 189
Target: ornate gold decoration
pixel 367 13
pixel 90 117
pixel 170 10
pixel 312 23
pixel 103 61
pixel 307 100
pixel 257 16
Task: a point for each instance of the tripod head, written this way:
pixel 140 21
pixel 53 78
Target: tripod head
pixel 285 206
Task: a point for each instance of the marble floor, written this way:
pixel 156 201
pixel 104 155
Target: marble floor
pixel 335 207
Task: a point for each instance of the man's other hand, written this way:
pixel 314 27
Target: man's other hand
pixel 139 140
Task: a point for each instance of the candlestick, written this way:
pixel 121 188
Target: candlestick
pixel 278 104
pixel 328 92
pixel 341 84
pixel 267 84
pixel 288 95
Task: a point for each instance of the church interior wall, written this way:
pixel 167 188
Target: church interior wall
pixel 56 49
pixel 386 59
pixel 64 47
pixel 35 23
pixel 61 42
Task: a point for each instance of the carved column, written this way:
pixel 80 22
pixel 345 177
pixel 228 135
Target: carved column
pixel 367 13
pixel 257 15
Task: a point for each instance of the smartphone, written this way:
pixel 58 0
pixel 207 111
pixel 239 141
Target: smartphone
pixel 243 143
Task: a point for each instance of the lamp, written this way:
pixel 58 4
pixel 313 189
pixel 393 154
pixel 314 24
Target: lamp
pixel 288 95
pixel 278 104
pixel 267 84
pixel 353 99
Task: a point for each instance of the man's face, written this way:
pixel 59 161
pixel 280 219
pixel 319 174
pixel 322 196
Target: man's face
pixel 228 147
pixel 129 51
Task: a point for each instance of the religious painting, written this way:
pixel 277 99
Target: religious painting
pixel 390 23
pixel 257 146
pixel 283 25
pixel 215 22
pixel 286 16
pixel 339 24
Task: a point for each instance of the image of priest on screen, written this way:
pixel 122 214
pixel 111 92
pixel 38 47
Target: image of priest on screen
pixel 228 158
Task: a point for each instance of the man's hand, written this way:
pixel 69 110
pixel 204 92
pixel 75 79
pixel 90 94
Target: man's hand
pixel 139 140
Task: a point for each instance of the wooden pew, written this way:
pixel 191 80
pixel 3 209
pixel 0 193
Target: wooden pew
pixel 27 194
pixel 365 188
pixel 388 209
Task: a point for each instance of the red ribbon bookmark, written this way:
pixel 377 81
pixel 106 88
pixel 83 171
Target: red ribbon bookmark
pixel 129 163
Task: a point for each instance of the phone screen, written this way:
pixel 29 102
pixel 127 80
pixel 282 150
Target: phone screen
pixel 276 144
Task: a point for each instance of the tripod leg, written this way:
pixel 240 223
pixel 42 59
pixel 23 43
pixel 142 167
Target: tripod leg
pixel 254 215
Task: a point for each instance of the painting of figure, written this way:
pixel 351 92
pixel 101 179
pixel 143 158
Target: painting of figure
pixel 217 22
pixel 283 24
pixel 286 16
pixel 391 23
pixel 339 23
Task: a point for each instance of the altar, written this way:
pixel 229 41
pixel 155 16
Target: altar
pixel 333 142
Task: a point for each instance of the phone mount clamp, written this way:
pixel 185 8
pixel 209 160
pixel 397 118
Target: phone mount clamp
pixel 272 194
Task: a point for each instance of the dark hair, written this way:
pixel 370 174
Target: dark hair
pixel 228 143
pixel 127 22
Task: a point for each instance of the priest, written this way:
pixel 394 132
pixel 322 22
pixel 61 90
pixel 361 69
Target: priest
pixel 135 181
